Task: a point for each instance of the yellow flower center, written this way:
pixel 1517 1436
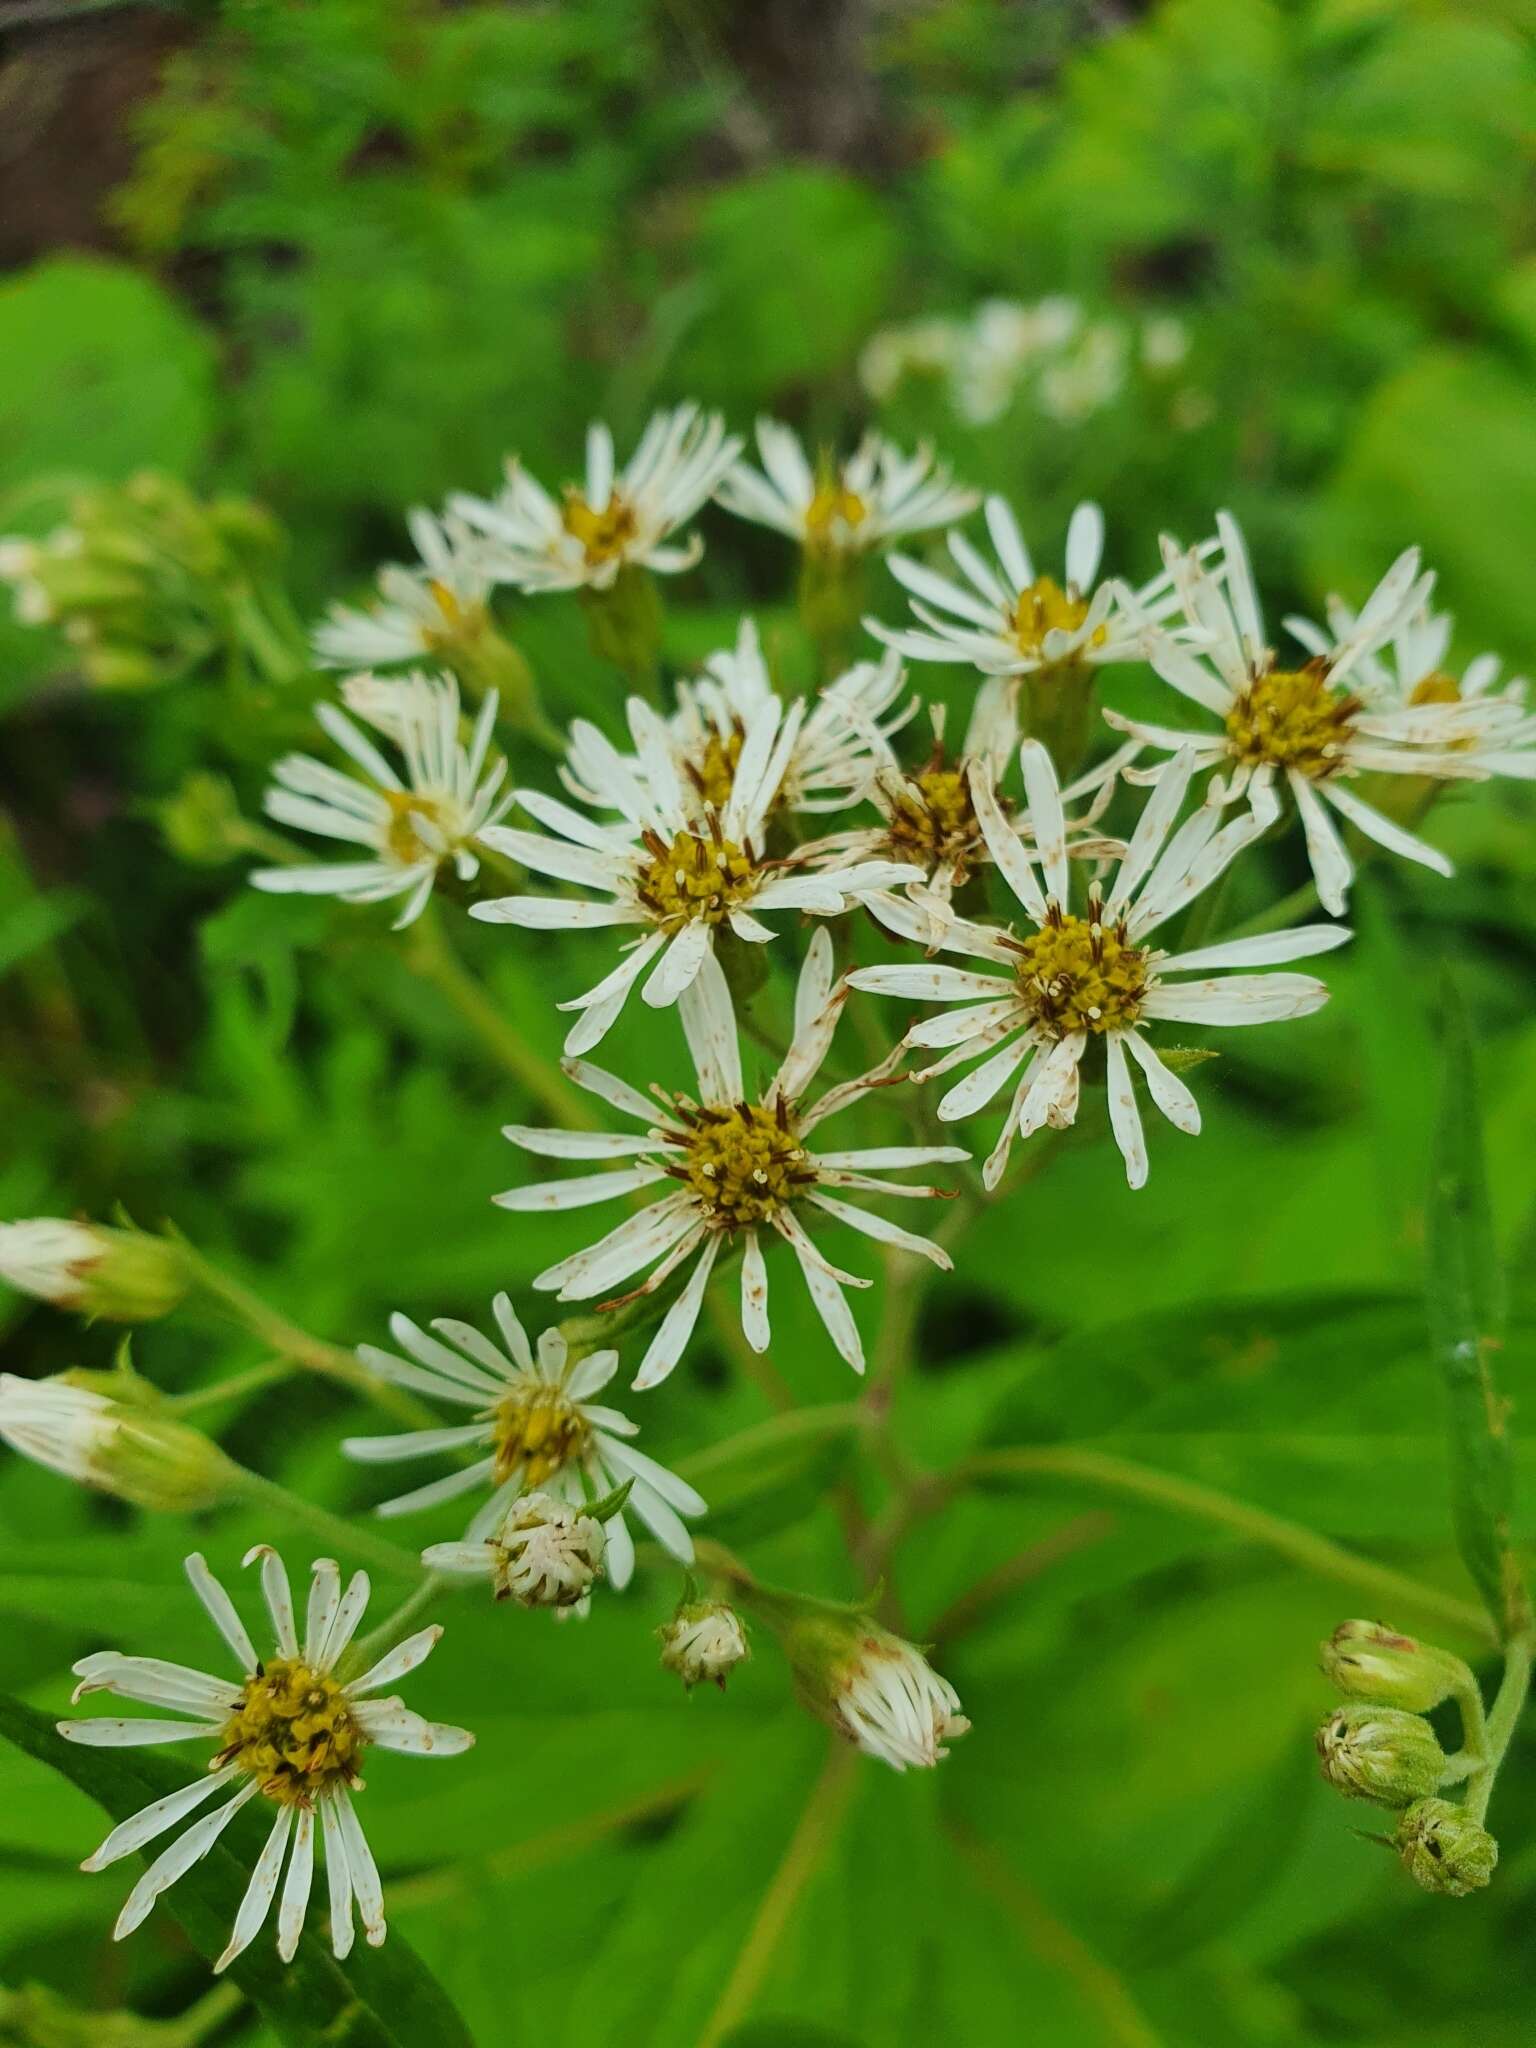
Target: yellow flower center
pixel 1046 608
pixel 833 514
pixel 1436 688
pixel 712 770
pixel 537 1430
pixel 699 875
pixel 404 843
pixel 604 535
pixel 742 1164
pixel 293 1731
pixel 1080 975
pixel 933 820
pixel 1292 719
pixel 459 621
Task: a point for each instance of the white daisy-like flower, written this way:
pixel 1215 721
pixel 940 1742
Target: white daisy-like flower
pixel 285 1729
pixel 1087 975
pixel 1312 729
pixel 878 1691
pixel 742 1167
pixel 613 519
pixel 676 876
pixel 927 817
pixel 542 1553
pixel 837 746
pixel 421 610
pixel 1007 621
pixel 850 507
pixel 411 823
pixel 1410 670
pixel 535 1421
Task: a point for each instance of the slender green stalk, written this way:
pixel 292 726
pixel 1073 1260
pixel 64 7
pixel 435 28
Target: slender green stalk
pixel 432 957
pixel 350 1541
pixel 832 1418
pixel 1290 1540
pixel 269 1373
pixel 1503 1719
pixel 395 1626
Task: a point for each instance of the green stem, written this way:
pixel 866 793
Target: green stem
pixel 1290 1540
pixel 1503 1719
pixel 201 2021
pixel 432 957
pixel 832 1418
pixel 350 1541
pixel 251 1381
pixel 311 1353
pixel 395 1627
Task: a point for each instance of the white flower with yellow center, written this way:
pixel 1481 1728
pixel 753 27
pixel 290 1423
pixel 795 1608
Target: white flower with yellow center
pixel 286 1729
pixel 422 610
pixel 927 817
pixel 743 1167
pixel 1091 975
pixel 613 519
pixel 1490 732
pixel 411 823
pixel 851 507
pixel 838 741
pixel 676 875
pixel 1004 619
pixel 536 1424
pixel 1311 729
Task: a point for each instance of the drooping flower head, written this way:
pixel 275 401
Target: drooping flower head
pixel 1316 727
pixel 876 1690
pixel 537 1429
pixel 614 518
pixel 850 507
pixel 743 1169
pixel 285 1729
pixel 424 611
pixel 136 1450
pixel 120 1274
pixel 676 872
pixel 411 822
pixel 1089 975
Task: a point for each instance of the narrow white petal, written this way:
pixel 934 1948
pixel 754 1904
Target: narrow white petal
pixel 261 1890
pixel 1124 1116
pixel 296 1890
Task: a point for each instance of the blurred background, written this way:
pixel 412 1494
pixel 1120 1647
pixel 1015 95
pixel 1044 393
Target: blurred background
pixel 339 259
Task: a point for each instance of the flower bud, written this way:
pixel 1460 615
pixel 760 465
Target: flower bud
pixel 878 1691
pixel 1380 1753
pixel 705 1639
pixel 125 1276
pixel 122 1447
pixel 1368 1661
pixel 1443 1849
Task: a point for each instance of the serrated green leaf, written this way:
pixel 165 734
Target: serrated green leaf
pixel 1466 1321
pixel 378 1998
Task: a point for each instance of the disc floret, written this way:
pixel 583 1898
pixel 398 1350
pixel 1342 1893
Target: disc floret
pixel 1292 718
pixel 605 532
pixel 1081 974
pixel 293 1731
pixel 538 1430
pixel 695 875
pixel 743 1163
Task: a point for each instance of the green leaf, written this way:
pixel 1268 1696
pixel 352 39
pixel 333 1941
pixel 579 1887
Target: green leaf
pixel 378 1998
pixel 1466 1319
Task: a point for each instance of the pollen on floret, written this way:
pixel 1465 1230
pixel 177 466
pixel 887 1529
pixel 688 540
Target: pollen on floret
pixel 604 534
pixel 537 1430
pixel 742 1164
pixel 404 839
pixel 1292 718
pixel 695 875
pixel 712 770
pixel 1080 974
pixel 293 1731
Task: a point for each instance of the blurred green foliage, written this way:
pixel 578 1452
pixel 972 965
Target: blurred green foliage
pixel 367 248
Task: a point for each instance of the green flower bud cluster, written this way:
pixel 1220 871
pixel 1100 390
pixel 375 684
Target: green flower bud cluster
pixel 1378 1746
pixel 146 580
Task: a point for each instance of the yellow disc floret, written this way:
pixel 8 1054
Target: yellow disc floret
pixel 742 1164
pixel 932 820
pixel 696 875
pixel 605 534
pixel 1044 607
pixel 293 1731
pixel 833 516
pixel 712 769
pixel 403 840
pixel 537 1430
pixel 1291 718
pixel 1077 974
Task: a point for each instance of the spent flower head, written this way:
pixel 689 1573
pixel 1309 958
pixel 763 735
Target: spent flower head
pixel 703 1642
pixel 874 1688
pixel 541 1552
pixel 1444 1849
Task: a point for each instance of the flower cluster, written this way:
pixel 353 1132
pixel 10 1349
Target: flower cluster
pixel 1047 891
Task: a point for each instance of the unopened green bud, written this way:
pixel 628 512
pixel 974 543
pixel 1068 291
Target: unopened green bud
pixel 1380 1753
pixel 201 823
pixel 1443 1849
pixel 123 1276
pixel 872 1687
pixel 704 1640
pixel 1368 1661
pixel 129 1448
